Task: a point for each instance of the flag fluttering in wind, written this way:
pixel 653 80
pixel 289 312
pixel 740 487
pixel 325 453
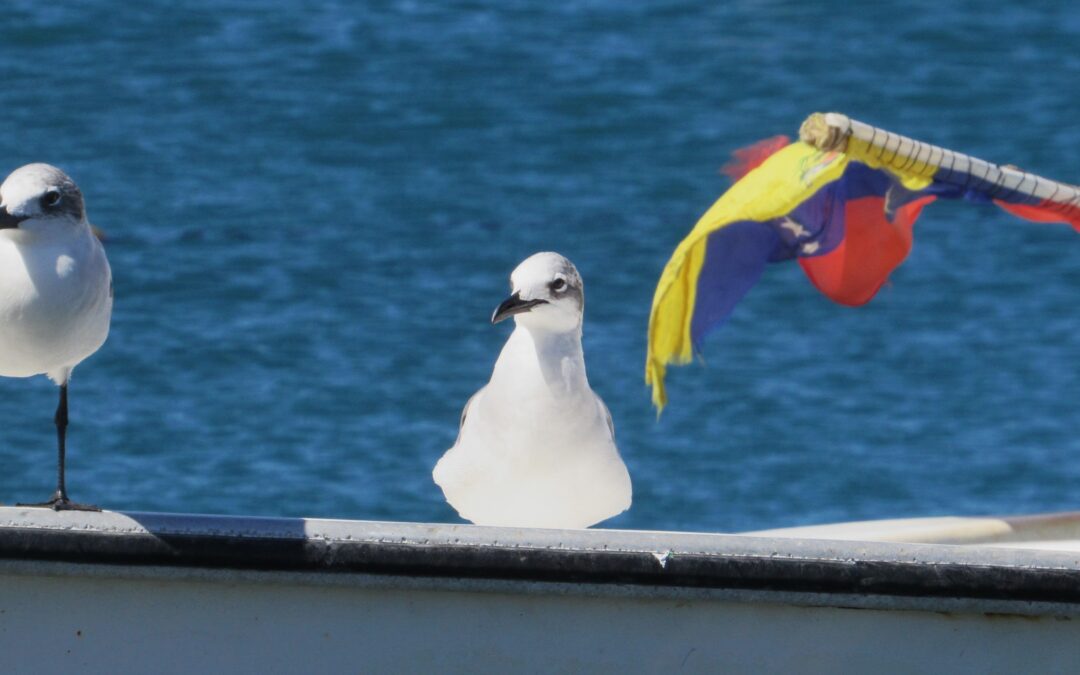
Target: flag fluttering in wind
pixel 842 201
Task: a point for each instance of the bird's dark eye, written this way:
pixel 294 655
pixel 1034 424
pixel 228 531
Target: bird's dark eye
pixel 50 198
pixel 558 285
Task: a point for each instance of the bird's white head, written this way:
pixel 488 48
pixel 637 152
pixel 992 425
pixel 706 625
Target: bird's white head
pixel 546 294
pixel 39 200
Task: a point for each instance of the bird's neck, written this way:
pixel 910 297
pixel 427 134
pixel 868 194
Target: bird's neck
pixel 49 235
pixel 550 359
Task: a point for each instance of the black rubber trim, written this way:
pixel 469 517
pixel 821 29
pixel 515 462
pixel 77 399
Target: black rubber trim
pixel 695 570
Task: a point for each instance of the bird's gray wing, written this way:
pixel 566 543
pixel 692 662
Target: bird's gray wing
pixel 465 412
pixel 603 409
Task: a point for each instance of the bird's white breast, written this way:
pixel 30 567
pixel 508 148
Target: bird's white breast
pixel 55 302
pixel 535 448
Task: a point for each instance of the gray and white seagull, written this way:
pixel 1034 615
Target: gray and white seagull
pixel 55 289
pixel 536 446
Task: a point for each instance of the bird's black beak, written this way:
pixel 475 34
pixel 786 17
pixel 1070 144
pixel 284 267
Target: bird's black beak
pixel 8 221
pixel 514 305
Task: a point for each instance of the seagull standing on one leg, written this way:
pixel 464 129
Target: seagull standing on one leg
pixel 55 289
pixel 536 446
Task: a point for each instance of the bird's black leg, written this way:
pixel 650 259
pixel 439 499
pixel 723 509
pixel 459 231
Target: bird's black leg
pixel 60 501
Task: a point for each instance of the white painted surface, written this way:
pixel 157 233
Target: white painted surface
pixel 1048 532
pixel 138 616
pixel 96 624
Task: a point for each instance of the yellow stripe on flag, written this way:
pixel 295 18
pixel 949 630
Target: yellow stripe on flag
pixel 782 182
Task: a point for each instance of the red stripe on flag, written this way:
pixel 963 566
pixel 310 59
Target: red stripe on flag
pixel 853 272
pixel 1045 212
pixel 745 160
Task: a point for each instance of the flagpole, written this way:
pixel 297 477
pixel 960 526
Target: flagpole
pixel 907 156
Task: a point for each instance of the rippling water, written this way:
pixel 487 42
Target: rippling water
pixel 313 207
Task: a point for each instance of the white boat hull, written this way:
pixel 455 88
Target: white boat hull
pixel 89 593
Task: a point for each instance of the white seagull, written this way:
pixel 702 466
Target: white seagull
pixel 55 289
pixel 536 446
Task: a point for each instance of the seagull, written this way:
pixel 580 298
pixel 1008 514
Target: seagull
pixel 56 291
pixel 536 446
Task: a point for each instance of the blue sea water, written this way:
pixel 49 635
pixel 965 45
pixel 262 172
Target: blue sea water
pixel 313 207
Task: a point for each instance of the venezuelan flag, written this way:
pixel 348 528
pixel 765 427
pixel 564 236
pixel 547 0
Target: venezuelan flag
pixel 842 201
